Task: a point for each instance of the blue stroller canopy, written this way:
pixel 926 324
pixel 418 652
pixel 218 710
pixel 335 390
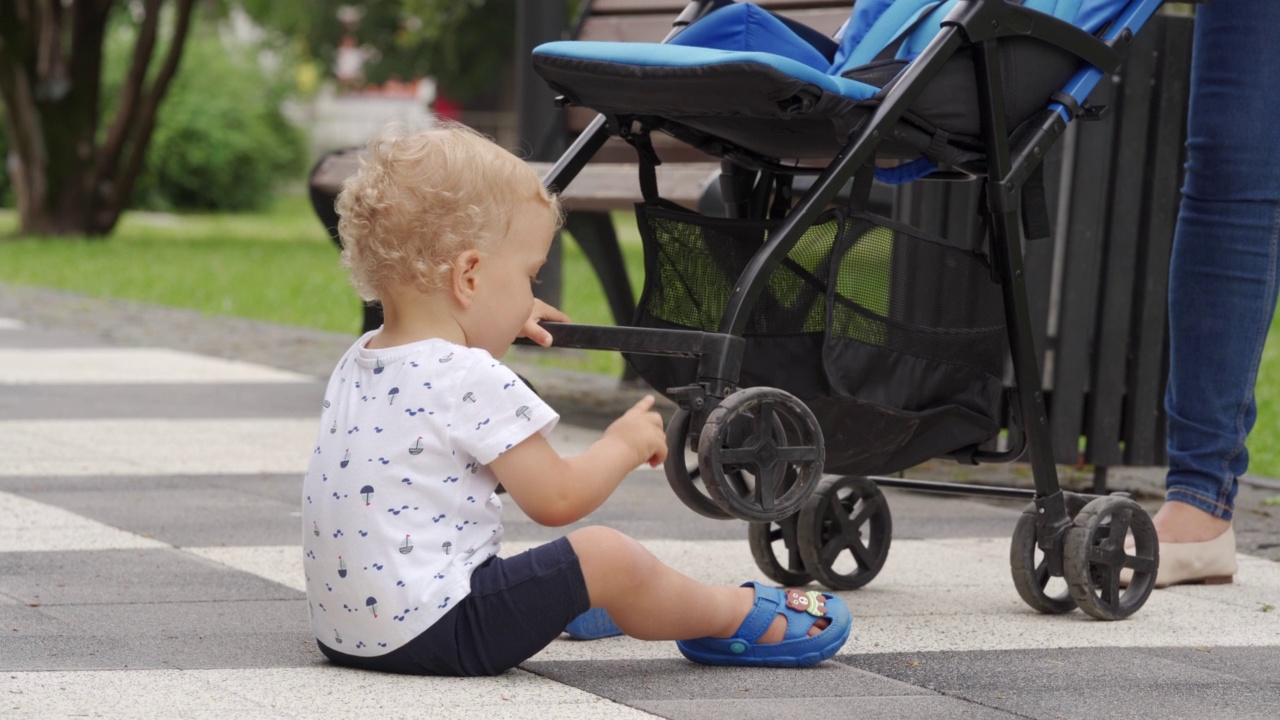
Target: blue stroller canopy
pixel 767 84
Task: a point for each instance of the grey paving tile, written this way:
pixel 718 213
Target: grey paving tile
pixel 181 511
pixel 934 707
pixel 127 576
pixel 1252 665
pixel 186 652
pixel 175 400
pixel 21 620
pixel 179 619
pixel 634 681
pixel 1090 683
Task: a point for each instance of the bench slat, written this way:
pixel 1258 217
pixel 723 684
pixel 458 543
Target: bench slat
pixel 653 28
pixel 600 187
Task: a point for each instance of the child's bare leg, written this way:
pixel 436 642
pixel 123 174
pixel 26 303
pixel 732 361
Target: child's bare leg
pixel 650 601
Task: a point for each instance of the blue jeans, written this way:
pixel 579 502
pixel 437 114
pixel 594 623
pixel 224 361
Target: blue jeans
pixel 1224 266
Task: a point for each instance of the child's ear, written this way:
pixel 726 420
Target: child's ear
pixel 463 277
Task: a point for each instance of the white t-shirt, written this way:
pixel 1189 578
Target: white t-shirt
pixel 398 504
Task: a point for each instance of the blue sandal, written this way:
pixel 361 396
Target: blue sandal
pixel 801 609
pixel 592 625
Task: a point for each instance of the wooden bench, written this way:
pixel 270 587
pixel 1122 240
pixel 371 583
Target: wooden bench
pixel 611 181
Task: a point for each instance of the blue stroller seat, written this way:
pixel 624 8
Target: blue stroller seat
pixel 803 335
pixel 759 82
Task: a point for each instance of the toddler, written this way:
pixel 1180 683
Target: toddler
pixel 421 422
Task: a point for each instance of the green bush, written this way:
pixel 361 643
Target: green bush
pixel 220 140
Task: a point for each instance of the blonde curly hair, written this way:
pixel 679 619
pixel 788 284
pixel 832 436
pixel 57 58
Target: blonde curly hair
pixel 421 198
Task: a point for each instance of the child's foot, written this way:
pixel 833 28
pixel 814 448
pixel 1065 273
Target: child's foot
pixel 593 625
pixel 785 628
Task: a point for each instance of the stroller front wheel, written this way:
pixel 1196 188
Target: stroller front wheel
pixel 782 565
pixel 844 532
pixel 683 479
pixel 761 453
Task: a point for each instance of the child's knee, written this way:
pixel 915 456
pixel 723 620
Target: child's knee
pixel 605 550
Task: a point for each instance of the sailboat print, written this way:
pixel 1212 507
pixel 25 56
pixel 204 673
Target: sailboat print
pixel 406 547
pixel 315 528
pixel 346 459
pixel 416 447
pixel 342 567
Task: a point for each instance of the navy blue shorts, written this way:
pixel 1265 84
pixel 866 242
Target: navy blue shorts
pixel 517 606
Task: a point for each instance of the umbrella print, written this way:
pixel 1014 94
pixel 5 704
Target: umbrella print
pixel 446 546
pixel 406 547
pixel 416 447
pixel 346 459
pixel 469 397
pixel 523 412
pixel 372 604
pixel 342 567
pixel 391 394
pixel 446 358
pixel 366 491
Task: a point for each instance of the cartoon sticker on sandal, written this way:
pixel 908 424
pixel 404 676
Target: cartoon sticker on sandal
pixel 811 601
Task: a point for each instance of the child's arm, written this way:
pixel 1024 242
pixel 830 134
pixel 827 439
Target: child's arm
pixel 554 490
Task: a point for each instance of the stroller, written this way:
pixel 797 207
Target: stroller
pixel 813 347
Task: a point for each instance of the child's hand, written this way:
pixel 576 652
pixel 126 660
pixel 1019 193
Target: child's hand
pixel 640 428
pixel 534 331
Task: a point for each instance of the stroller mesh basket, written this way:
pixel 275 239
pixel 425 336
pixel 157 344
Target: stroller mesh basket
pixel 894 338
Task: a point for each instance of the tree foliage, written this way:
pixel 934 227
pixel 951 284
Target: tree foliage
pixel 73 174
pixel 464 44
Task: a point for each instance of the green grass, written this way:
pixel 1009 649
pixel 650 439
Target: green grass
pixel 279 266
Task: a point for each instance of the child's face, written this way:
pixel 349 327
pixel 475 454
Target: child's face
pixel 504 293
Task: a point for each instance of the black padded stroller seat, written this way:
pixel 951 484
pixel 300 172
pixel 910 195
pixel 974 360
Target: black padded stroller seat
pixel 744 76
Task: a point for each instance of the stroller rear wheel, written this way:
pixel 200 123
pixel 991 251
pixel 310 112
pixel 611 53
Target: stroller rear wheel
pixel 833 521
pixel 782 565
pixel 760 453
pixel 1097 549
pixel 1030 566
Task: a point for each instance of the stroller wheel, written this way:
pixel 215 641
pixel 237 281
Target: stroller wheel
pixel 1111 533
pixel 685 480
pixel 782 565
pixel 844 532
pixel 1030 566
pixel 774 442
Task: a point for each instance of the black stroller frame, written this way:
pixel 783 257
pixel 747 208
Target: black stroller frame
pixel 1060 534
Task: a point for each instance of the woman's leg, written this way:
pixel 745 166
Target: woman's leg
pixel 1223 271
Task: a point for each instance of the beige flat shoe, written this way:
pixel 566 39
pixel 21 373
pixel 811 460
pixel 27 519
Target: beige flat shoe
pixel 1212 562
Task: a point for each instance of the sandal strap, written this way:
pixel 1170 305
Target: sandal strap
pixel 769 602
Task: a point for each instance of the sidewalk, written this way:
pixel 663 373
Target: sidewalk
pixel 150 465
